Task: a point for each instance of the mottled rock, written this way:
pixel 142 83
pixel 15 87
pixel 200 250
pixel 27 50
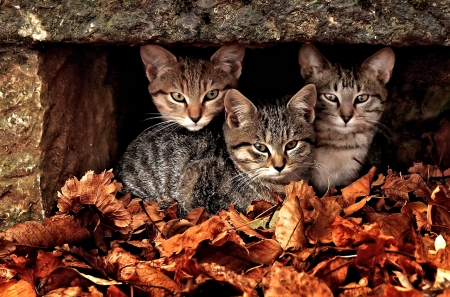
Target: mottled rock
pixel 391 22
pixel 21 126
pixel 57 120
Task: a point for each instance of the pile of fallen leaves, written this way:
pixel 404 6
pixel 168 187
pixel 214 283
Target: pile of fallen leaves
pixel 380 236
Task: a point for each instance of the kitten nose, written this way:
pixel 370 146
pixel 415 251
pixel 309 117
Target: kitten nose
pixel 279 168
pixel 195 119
pixel 346 118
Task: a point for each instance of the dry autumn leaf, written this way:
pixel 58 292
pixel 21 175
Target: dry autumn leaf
pixel 359 188
pixel 286 281
pixel 192 237
pixel 240 224
pixel 290 227
pixel 98 190
pixel 14 288
pixel 54 231
pixel 327 210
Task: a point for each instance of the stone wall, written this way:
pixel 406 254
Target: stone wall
pixel 57 120
pixel 391 22
pixel 21 128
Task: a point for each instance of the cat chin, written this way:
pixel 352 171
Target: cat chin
pixel 193 127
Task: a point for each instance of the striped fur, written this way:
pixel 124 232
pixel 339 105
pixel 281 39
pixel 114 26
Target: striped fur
pixel 350 105
pixel 191 80
pixel 214 168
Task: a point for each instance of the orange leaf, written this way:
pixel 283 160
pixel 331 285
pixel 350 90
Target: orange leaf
pixel 192 237
pixel 98 190
pixel 290 227
pixel 359 188
pixel 240 224
pixel 327 209
pixel 286 281
pixel 46 263
pixel 264 251
pixel 197 216
pixel 54 231
pixel 16 288
pixel 147 277
pixel 346 232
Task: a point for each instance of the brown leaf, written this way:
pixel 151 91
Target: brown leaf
pixel 121 259
pixel 356 206
pixel 264 251
pixel 147 277
pixel 290 227
pixel 6 273
pixel 98 190
pixel 114 291
pixel 398 188
pixel 425 171
pixel 231 255
pixel 74 292
pixel 345 232
pixel 372 254
pixel 240 224
pixel 54 231
pixel 14 288
pixel 192 237
pixel 286 281
pixel 395 291
pixel 395 224
pixel 175 226
pixel 66 292
pixel 438 217
pixel 327 210
pixel 333 271
pixel 257 208
pixel 359 188
pixel 441 197
pixel 244 283
pixel 46 263
pixel 419 210
pixel 197 216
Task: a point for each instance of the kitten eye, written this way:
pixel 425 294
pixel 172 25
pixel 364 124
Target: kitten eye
pixel 212 94
pixel 330 97
pixel 260 147
pixel 291 144
pixel 177 96
pixel 361 98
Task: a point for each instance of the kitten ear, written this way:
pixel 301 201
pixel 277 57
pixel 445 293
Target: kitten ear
pixel 156 60
pixel 304 101
pixel 238 109
pixel 382 62
pixel 229 59
pixel 311 61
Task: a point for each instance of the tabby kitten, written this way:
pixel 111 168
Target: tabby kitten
pixel 349 106
pixel 188 90
pixel 261 149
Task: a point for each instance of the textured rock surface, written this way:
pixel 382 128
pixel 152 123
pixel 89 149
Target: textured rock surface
pixel 392 22
pixel 21 126
pixel 57 120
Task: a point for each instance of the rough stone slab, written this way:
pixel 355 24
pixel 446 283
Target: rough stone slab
pixel 21 125
pixel 57 120
pixel 389 22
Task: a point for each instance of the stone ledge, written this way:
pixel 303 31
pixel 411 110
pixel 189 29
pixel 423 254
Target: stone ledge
pixel 393 22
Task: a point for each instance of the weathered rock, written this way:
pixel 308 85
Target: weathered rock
pixel 21 126
pixel 57 119
pixel 393 22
